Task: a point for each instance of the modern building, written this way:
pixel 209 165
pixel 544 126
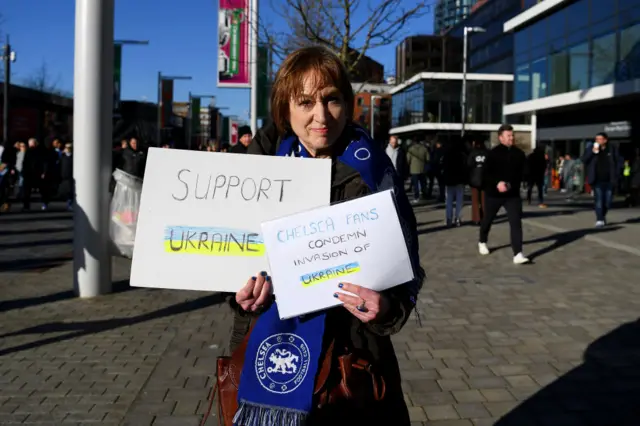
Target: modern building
pixel 577 71
pixel 427 53
pixel 428 107
pixel 491 51
pixel 367 69
pixel 449 12
pixel 380 94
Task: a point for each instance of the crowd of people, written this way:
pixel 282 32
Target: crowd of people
pixel 27 168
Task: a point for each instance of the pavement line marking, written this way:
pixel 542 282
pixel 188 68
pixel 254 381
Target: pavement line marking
pixel 593 239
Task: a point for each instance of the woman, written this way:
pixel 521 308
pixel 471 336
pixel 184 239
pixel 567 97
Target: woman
pixel 311 103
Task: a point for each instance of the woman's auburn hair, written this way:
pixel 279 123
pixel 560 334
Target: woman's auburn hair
pixel 327 69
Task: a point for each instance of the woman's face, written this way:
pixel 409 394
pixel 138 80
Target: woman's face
pixel 318 116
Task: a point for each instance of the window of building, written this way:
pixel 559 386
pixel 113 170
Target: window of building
pixel 603 62
pixel 579 67
pixel 522 90
pixel 559 73
pixel 629 53
pixel 539 78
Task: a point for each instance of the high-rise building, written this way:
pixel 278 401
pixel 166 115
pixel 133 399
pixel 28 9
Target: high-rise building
pixel 427 53
pixel 449 12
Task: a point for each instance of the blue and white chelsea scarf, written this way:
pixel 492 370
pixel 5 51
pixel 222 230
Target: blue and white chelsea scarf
pixel 282 356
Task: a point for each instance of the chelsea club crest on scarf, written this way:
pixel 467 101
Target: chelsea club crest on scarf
pixel 282 362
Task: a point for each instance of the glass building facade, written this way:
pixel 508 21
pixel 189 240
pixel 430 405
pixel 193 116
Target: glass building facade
pixel 438 101
pixel 586 44
pixel 492 51
pixel 450 12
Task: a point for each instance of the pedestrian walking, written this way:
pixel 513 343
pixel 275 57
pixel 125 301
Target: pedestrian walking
pixel 475 162
pixel 33 168
pixel 66 190
pixel 454 177
pixel 503 174
pixel 536 170
pixel 417 158
pixel 398 157
pixel 602 163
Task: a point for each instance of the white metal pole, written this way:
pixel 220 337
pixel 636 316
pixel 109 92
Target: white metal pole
pixel 92 134
pixel 253 22
pixel 463 102
pixel 534 130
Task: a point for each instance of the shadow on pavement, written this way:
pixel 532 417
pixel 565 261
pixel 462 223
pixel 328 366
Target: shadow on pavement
pixel 35 231
pixel 603 390
pixel 34 264
pixel 118 287
pixel 80 329
pixel 37 243
pixel 36 217
pixel 560 240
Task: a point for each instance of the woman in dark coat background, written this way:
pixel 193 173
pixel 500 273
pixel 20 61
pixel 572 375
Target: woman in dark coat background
pixel 66 190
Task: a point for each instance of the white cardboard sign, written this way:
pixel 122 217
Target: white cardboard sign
pixel 200 215
pixel 310 253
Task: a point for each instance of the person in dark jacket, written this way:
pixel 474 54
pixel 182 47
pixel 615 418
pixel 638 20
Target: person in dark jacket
pixel 454 178
pixel 66 190
pixel 602 164
pixel 134 159
pixel 33 167
pixel 536 170
pixel 434 171
pixel 475 162
pixel 398 156
pixel 502 178
pixel 351 326
pixel 244 139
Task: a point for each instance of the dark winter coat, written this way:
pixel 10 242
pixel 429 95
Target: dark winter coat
pixel 504 164
pixel 134 162
pixel 372 340
pixel 454 165
pixel 475 162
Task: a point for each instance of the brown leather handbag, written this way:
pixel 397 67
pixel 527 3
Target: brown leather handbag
pixel 345 377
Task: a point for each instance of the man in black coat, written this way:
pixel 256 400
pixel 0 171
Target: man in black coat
pixel 244 139
pixel 134 159
pixel 475 162
pixel 503 173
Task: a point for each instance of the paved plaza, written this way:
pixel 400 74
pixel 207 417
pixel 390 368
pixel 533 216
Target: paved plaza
pixel 554 343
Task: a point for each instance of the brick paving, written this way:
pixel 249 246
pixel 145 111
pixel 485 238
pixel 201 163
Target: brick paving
pixel 553 343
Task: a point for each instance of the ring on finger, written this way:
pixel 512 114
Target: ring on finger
pixel 362 307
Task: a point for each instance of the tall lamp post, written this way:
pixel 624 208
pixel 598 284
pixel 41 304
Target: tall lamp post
pixel 117 59
pixel 373 113
pixel 465 48
pixel 253 29
pixel 8 56
pixel 162 78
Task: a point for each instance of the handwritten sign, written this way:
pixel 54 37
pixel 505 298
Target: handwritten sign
pixel 310 253
pixel 200 215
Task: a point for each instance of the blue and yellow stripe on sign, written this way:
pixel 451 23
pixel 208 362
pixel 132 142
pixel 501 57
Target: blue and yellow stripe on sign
pixel 327 274
pixel 213 241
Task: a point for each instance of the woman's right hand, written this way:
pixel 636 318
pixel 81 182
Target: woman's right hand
pixel 255 293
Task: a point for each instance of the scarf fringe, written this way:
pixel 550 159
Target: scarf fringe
pixel 249 414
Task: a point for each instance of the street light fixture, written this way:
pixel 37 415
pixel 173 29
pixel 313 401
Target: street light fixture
pixel 8 56
pixel 373 110
pixel 463 103
pixel 162 78
pixel 117 62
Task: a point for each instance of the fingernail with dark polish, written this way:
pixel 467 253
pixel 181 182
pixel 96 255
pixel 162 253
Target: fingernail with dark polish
pixel 253 278
pixel 268 278
pixel 335 295
pixel 340 285
pixel 263 273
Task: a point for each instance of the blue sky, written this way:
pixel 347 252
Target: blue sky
pixel 183 41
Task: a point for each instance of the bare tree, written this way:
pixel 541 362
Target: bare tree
pixel 350 28
pixel 42 81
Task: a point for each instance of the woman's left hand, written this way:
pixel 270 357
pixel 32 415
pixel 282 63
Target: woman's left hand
pixel 367 305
